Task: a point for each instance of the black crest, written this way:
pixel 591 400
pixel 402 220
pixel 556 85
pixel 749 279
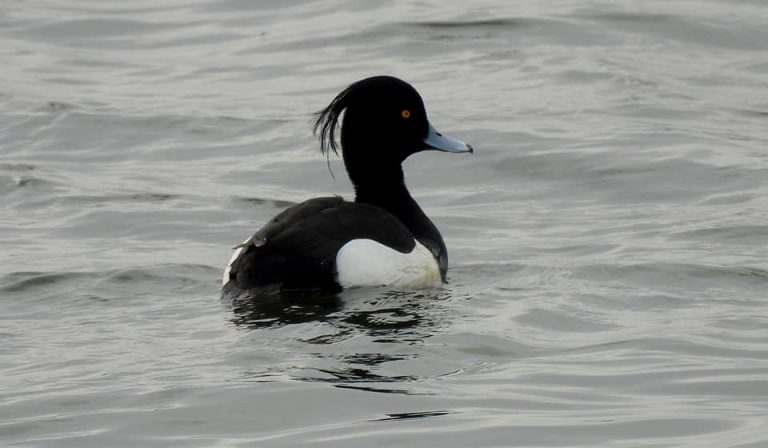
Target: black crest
pixel 327 121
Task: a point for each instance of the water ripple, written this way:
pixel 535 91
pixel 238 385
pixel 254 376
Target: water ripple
pixel 607 240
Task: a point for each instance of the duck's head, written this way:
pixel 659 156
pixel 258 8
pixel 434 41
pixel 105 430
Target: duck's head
pixel 384 122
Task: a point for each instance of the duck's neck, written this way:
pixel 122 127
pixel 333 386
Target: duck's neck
pixel 388 191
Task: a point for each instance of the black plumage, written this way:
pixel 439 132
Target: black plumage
pixel 297 248
pixel 383 122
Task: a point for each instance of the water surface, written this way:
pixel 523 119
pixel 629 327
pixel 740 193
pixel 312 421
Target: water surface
pixel 607 239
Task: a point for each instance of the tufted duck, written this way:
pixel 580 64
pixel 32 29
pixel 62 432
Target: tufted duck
pixel 383 237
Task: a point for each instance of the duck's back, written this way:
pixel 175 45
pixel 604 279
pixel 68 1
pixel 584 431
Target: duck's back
pixel 297 250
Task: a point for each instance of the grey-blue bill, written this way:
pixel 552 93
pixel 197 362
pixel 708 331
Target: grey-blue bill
pixel 440 142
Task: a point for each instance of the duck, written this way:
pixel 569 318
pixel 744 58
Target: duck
pixel 383 237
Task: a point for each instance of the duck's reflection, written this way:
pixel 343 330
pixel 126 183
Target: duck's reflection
pixel 256 312
pixel 361 331
pixel 376 312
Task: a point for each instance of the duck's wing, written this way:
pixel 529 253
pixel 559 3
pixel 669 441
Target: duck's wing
pixel 297 249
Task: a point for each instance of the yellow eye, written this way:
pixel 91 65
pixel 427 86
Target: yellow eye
pixel 405 114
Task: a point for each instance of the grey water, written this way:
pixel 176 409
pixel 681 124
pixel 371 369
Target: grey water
pixel 608 240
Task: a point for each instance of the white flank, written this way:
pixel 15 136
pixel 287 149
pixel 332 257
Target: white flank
pixel 225 278
pixel 365 262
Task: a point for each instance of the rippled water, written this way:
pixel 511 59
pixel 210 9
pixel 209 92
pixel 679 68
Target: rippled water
pixel 608 240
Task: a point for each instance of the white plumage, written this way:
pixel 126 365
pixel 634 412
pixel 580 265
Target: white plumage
pixel 225 278
pixel 364 262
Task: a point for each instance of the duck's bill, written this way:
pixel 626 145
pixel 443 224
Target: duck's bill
pixel 440 142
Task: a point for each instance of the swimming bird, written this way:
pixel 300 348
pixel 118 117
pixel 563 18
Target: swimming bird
pixel 383 237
